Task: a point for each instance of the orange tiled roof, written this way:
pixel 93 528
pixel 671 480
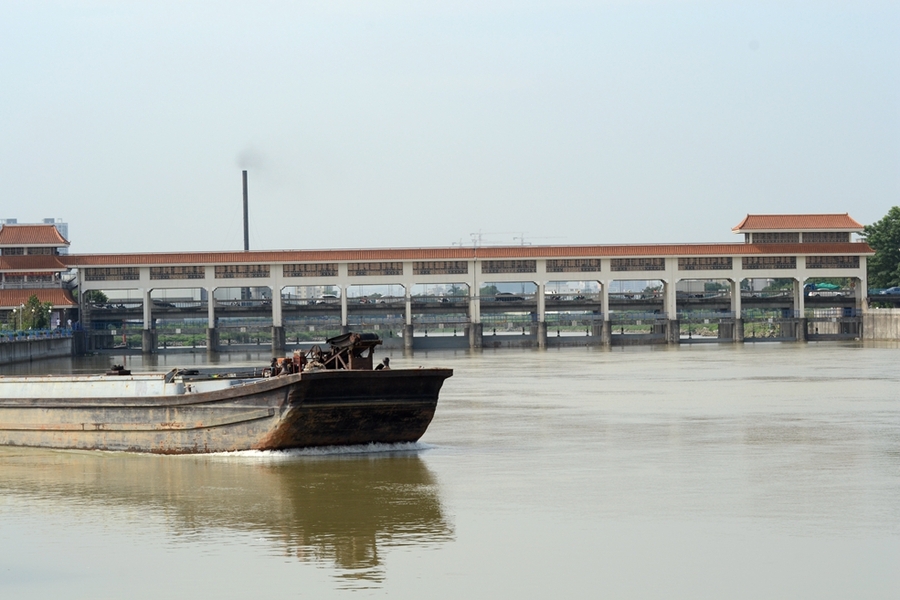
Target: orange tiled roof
pixel 456 253
pixel 35 262
pixel 58 297
pixel 824 222
pixel 31 235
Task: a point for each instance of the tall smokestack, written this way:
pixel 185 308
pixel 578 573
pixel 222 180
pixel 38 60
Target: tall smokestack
pixel 246 217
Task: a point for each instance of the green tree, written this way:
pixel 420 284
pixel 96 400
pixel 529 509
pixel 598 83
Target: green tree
pixel 884 237
pixel 489 290
pixel 779 284
pixel 36 315
pixel 95 297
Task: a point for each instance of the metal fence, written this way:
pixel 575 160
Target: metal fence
pixel 34 334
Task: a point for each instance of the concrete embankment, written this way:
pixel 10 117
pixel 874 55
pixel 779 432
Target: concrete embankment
pixel 27 350
pixel 881 324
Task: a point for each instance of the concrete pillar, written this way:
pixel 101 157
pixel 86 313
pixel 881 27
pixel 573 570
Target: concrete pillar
pixel 147 305
pixel 407 313
pixel 212 339
pixel 673 332
pixel 801 329
pixel 606 333
pixel 211 309
pixel 736 298
pixel 148 341
pixel 345 329
pixel 542 334
pixel 738 330
pixel 542 305
pixel 344 319
pixel 476 331
pixel 670 299
pixel 277 319
pixel 407 337
pixel 596 331
pixel 79 346
pixel 799 299
pixel 861 294
pixel 475 305
pixel 278 342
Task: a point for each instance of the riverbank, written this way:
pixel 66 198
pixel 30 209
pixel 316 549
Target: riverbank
pixel 26 350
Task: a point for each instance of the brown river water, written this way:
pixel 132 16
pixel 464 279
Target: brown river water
pixel 754 471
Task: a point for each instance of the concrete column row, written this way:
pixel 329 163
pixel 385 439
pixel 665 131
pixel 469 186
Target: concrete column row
pixel 476 328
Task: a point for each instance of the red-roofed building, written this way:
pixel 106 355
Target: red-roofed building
pixel 30 265
pixel 797 229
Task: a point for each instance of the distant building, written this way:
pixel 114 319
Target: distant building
pixel 30 266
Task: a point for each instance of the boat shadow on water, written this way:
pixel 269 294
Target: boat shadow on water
pixel 337 508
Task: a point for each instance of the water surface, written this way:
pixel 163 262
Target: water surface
pixel 693 472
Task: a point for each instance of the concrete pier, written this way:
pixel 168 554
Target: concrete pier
pixel 881 324
pixel 476 336
pixel 606 334
pixel 673 331
pixel 541 333
pixel 408 332
pixel 212 339
pixel 148 341
pixel 278 340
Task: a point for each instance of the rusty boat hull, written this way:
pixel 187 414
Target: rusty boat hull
pixel 161 413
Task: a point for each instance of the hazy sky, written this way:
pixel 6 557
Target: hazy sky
pixel 384 124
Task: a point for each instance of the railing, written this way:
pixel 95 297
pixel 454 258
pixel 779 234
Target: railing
pixel 704 315
pixel 43 285
pixel 632 316
pixel 618 296
pixel 767 294
pixel 443 300
pixel 833 312
pixel 572 319
pixel 572 297
pixel 35 334
pixel 507 298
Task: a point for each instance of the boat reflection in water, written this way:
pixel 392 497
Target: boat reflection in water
pixel 335 508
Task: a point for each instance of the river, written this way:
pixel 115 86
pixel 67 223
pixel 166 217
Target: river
pixel 704 471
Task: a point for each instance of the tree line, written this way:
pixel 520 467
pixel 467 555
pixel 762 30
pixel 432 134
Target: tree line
pixel 884 237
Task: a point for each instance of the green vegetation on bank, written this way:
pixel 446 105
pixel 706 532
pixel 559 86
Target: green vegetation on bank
pixel 884 237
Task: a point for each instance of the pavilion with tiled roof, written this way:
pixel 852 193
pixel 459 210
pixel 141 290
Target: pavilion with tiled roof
pixel 768 229
pixel 30 265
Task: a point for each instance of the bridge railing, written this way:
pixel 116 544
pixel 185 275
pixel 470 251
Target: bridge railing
pixel 634 316
pixel 704 315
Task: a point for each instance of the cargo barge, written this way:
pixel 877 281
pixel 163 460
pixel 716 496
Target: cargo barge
pixel 334 398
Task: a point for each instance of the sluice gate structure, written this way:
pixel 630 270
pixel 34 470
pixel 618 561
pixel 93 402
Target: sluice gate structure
pixel 787 251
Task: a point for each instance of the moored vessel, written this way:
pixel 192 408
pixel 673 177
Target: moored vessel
pixel 320 398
